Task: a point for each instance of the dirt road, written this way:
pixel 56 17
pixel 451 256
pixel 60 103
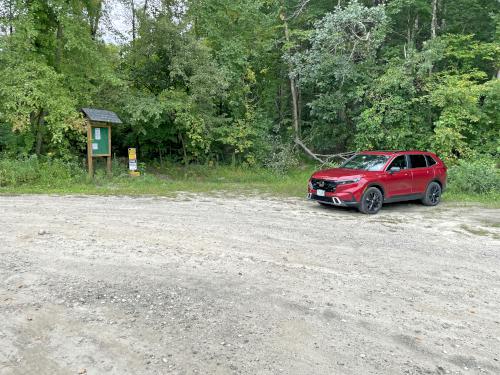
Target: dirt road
pixel 205 285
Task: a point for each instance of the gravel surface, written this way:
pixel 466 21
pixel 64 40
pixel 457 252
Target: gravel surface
pixel 206 285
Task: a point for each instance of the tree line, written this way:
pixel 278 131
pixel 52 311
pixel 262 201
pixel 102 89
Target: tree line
pixel 238 81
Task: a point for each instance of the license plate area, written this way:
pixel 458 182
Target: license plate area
pixel 320 193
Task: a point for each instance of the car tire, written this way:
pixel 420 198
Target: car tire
pixel 432 195
pixel 371 201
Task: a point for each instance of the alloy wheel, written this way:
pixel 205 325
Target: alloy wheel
pixel 373 201
pixel 434 194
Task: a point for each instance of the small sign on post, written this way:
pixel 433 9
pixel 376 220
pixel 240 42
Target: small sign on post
pixel 132 162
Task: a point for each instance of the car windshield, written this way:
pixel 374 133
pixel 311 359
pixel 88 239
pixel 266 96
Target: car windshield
pixel 366 162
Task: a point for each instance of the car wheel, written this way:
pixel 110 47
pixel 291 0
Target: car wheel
pixel 371 201
pixel 432 195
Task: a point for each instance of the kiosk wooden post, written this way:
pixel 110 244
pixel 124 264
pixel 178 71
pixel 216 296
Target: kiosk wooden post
pixel 90 161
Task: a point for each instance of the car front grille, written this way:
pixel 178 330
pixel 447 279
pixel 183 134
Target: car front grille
pixel 323 185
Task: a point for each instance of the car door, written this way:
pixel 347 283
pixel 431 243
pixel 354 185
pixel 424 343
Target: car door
pixel 398 183
pixel 421 173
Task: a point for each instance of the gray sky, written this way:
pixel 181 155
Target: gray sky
pixel 116 26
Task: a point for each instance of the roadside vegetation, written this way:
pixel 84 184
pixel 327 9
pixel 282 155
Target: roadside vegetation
pixel 474 181
pixel 235 94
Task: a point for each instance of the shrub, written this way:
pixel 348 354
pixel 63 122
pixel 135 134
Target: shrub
pixel 282 158
pixel 41 171
pixel 474 176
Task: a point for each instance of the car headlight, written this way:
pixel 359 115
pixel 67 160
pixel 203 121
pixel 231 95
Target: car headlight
pixel 345 182
pixel 310 184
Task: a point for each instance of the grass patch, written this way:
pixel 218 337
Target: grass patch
pixel 166 181
pixel 36 176
pixel 491 199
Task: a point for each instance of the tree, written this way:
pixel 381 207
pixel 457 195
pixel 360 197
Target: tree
pixel 176 89
pixel 49 68
pixel 337 66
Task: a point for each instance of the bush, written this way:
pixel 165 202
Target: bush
pixel 282 158
pixel 474 176
pixel 41 171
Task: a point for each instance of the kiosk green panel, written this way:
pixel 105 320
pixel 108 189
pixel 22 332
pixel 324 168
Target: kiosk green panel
pixel 100 141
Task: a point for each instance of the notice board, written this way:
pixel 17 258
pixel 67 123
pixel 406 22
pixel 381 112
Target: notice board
pixel 100 141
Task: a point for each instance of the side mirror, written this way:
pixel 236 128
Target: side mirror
pixel 394 169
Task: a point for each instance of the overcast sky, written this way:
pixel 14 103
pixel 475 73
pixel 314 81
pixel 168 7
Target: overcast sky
pixel 116 26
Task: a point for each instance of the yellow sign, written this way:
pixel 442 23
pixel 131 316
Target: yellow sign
pixel 132 154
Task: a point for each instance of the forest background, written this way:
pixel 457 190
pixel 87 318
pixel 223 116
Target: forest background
pixel 247 94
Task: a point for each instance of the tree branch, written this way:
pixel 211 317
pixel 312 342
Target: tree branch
pixel 300 7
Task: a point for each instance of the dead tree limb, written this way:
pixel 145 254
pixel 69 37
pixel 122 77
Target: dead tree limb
pixel 298 142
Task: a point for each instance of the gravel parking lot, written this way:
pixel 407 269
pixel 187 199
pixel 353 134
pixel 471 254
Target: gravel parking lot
pixel 241 285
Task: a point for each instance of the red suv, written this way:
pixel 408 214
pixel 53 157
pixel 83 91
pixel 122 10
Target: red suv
pixel 371 178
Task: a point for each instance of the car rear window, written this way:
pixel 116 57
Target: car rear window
pixel 430 160
pixel 418 161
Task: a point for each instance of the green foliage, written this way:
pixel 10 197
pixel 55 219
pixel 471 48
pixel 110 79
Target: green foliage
pixel 472 179
pixel 394 119
pixel 338 67
pixel 50 66
pixel 457 99
pixel 43 171
pixel 208 82
pixel 341 42
pixel 475 176
pixel 187 106
pixel 282 158
pixel 453 112
pixel 33 99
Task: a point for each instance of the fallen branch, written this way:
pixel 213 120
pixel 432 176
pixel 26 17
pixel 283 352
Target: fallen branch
pixel 307 151
pixel 323 159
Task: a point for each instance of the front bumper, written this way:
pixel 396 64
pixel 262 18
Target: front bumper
pixel 334 200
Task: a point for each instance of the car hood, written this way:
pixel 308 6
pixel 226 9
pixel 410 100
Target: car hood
pixel 338 173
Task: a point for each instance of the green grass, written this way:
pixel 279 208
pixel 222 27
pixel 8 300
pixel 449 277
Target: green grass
pixel 170 181
pixel 55 177
pixel 491 199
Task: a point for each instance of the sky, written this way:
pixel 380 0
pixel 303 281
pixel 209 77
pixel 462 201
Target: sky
pixel 116 25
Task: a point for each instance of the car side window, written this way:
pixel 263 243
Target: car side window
pixel 418 161
pixel 399 162
pixel 430 160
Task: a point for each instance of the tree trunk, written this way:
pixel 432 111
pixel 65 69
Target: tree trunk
pixel 293 86
pixel 184 152
pixel 133 20
pixel 40 122
pixel 94 21
pixel 434 20
pixel 59 47
pixel 442 11
pixel 11 17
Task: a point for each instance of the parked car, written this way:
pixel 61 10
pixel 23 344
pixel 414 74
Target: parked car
pixel 369 179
